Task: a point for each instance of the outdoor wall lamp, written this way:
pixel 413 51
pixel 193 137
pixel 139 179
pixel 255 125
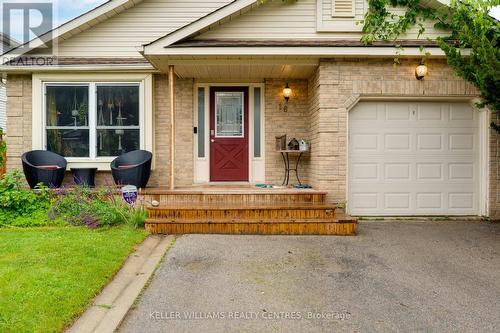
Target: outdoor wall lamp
pixel 420 71
pixel 287 92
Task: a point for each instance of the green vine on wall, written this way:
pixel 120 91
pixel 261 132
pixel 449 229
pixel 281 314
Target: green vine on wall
pixel 381 24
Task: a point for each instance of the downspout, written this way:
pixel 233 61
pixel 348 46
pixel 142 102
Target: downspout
pixel 171 125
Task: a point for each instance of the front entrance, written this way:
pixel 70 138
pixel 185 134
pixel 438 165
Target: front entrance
pixel 228 134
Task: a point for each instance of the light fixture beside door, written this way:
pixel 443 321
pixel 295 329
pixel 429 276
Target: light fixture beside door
pixel 287 92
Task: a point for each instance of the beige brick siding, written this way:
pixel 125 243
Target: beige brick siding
pixel 318 111
pixel 184 137
pixel 159 176
pixel 495 170
pixel 18 118
pixel 294 123
pixel 338 84
pixel 184 145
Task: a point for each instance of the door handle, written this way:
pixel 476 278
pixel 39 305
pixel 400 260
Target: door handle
pixel 212 140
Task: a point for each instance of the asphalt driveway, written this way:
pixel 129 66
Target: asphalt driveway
pixel 393 277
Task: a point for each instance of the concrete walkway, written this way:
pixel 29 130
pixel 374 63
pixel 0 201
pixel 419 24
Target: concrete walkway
pixel 392 277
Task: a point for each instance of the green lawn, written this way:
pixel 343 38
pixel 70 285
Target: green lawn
pixel 49 275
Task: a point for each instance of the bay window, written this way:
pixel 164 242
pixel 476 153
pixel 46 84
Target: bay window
pixel 92 120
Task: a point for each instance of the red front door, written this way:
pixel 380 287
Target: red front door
pixel 228 134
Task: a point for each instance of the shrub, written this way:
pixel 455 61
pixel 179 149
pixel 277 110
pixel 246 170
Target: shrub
pixel 83 206
pixel 19 205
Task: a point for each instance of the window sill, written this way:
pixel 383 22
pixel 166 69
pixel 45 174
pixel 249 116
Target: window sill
pixel 101 165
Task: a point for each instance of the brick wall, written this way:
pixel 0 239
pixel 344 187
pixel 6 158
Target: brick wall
pixel 339 84
pixel 184 132
pixel 294 123
pixel 494 203
pixel 159 176
pixel 18 118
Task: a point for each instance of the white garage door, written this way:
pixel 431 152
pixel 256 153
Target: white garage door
pixel 413 159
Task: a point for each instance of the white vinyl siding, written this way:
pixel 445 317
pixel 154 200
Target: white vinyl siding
pixel 124 34
pixel 297 20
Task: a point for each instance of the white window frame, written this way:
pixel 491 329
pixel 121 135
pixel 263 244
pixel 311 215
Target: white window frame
pixel 143 81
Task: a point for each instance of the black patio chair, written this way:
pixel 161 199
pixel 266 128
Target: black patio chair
pixel 132 168
pixel 42 166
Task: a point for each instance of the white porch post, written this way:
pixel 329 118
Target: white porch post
pixel 171 124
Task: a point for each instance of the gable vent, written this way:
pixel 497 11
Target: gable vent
pixel 343 8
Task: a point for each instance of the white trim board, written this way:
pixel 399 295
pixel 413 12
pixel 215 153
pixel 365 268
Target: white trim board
pixel 304 51
pixel 110 68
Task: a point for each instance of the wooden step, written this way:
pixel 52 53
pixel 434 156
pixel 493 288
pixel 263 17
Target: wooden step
pixel 341 219
pixel 242 212
pixel 346 227
pixel 234 196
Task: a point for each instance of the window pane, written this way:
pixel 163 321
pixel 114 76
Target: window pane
pixel 68 142
pixel 229 114
pixel 201 122
pixel 257 123
pixel 114 142
pixel 67 105
pixel 118 106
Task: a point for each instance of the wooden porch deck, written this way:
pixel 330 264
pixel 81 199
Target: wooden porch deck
pixel 244 210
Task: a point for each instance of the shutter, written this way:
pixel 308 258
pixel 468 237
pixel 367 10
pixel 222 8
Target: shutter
pixel 343 8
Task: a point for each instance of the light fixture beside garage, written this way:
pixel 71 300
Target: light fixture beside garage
pixel 421 71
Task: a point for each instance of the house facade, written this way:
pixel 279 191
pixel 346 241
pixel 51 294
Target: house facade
pixel 201 84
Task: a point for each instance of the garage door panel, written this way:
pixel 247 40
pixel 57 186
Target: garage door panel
pixel 461 171
pixel 365 200
pixel 461 200
pixel 397 111
pixel 397 171
pixel 429 200
pixel 461 142
pixel 364 142
pixel 427 164
pixel 365 171
pixel 430 141
pixel 430 112
pixel 429 171
pixel 460 111
pixel 397 141
pixel 395 200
